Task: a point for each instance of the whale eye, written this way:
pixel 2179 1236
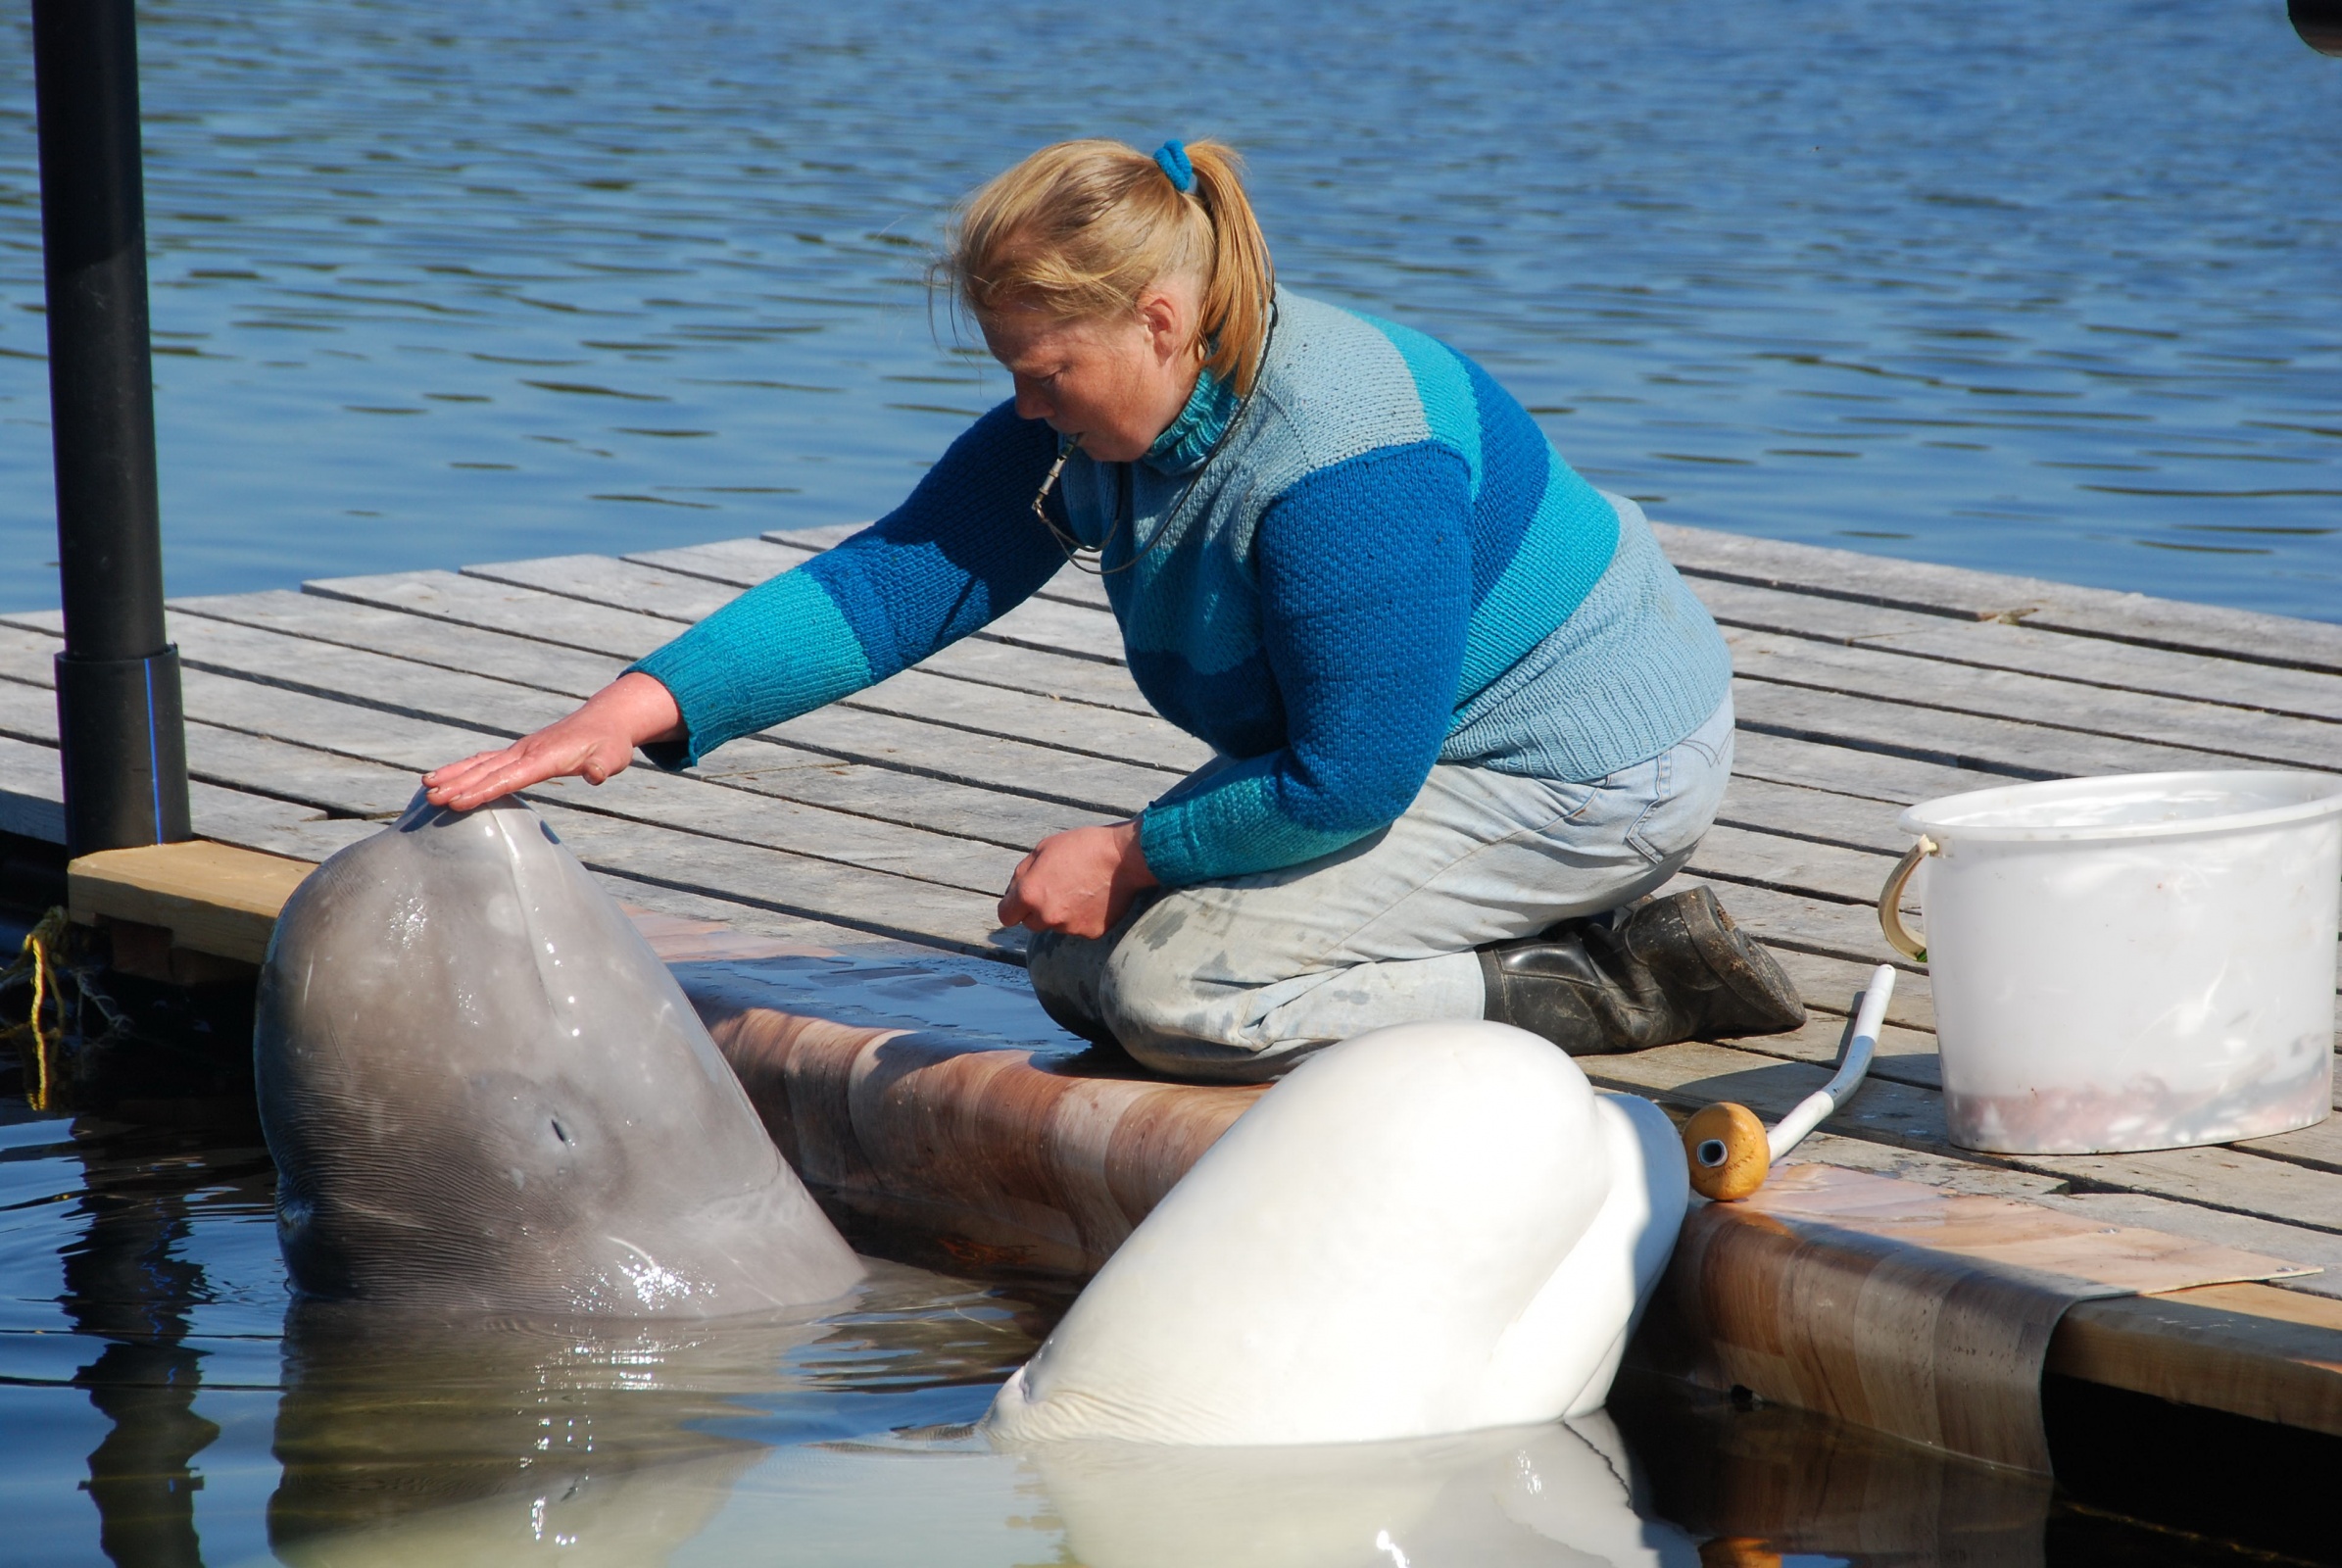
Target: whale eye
pixel 561 1131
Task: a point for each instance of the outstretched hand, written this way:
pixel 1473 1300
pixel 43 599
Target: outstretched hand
pixel 592 744
pixel 1079 882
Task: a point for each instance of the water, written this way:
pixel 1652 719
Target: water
pixel 161 1405
pixel 2036 289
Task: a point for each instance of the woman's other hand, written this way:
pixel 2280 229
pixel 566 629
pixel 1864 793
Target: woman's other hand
pixel 1078 882
pixel 592 744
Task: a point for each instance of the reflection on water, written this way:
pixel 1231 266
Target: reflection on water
pixel 139 1310
pixel 620 1450
pixel 2044 288
pixel 162 1403
pixel 1781 1481
pixel 127 1286
pixel 615 1443
pixel 1558 1493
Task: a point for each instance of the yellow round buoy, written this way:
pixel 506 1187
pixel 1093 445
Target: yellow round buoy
pixel 1728 1152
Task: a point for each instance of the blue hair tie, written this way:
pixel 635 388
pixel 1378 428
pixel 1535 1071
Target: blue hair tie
pixel 1172 159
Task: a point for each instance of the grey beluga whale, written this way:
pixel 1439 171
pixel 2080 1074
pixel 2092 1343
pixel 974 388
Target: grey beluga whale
pixel 485 1093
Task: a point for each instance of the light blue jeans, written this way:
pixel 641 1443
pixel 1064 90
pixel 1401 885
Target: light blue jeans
pixel 1239 979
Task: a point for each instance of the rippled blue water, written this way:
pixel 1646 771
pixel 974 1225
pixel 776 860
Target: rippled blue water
pixel 2039 288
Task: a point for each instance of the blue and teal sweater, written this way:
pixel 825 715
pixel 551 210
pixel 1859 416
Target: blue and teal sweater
pixel 1386 565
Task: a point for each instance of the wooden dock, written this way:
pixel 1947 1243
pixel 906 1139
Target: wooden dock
pixel 884 827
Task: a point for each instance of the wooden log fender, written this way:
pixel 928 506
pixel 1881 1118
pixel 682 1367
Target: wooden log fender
pixel 1009 1158
pixel 1916 1311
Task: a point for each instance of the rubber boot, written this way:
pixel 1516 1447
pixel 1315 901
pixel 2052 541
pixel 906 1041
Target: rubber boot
pixel 1674 968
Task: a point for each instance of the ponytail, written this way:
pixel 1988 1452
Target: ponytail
pixel 1242 281
pixel 1083 229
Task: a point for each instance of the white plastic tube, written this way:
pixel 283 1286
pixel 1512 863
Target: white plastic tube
pixel 1791 1129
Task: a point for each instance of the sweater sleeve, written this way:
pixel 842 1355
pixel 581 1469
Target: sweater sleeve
pixel 1365 577
pixel 963 550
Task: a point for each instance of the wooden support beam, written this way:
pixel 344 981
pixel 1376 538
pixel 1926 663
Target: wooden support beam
pixel 212 899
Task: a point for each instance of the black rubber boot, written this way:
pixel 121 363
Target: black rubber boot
pixel 1676 968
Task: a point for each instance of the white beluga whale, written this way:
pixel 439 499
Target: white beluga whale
pixel 485 1093
pixel 1431 1228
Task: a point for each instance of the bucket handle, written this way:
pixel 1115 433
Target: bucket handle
pixel 1891 898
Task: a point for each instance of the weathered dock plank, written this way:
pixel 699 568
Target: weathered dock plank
pixel 1075 585
pixel 762 879
pixel 440 644
pixel 1929 687
pixel 1791 864
pixel 31 796
pixel 299 776
pixel 1006 653
pixel 1107 734
pixel 529 613
pixel 300 723
pixel 1954 590
pixel 827 774
pixel 2014 749
pixel 1999 645
pixel 1804 812
pixel 608 580
pixel 1072 634
pixel 1888 1111
pixel 1861 670
pixel 1840 769
pixel 841 733
pixel 1013 765
pixel 32 806
pixel 936 704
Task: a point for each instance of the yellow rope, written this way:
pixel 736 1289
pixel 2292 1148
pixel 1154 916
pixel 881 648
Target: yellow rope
pixel 37 956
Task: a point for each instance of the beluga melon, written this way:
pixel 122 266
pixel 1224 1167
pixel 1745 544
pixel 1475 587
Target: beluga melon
pixel 486 1094
pixel 1430 1228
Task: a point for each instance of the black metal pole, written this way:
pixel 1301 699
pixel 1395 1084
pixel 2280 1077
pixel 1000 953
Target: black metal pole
pixel 118 681
pixel 2319 24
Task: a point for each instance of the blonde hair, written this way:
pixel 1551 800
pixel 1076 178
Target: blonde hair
pixel 1083 229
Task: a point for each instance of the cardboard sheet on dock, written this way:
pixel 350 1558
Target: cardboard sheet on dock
pixel 1904 1307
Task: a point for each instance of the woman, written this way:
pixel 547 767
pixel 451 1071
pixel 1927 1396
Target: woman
pixel 1465 713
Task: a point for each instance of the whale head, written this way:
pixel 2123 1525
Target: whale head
pixel 1431 1228
pixel 483 1091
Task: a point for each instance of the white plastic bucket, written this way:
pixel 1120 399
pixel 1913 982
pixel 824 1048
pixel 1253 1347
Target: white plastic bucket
pixel 2144 961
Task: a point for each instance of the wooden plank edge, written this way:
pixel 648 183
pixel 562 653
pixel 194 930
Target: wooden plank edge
pixel 2253 1351
pixel 1962 593
pixel 213 897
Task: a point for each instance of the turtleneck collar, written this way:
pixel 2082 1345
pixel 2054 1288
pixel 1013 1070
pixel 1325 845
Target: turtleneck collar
pixel 1191 437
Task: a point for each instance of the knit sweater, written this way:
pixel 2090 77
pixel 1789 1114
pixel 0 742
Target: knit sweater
pixel 1374 564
